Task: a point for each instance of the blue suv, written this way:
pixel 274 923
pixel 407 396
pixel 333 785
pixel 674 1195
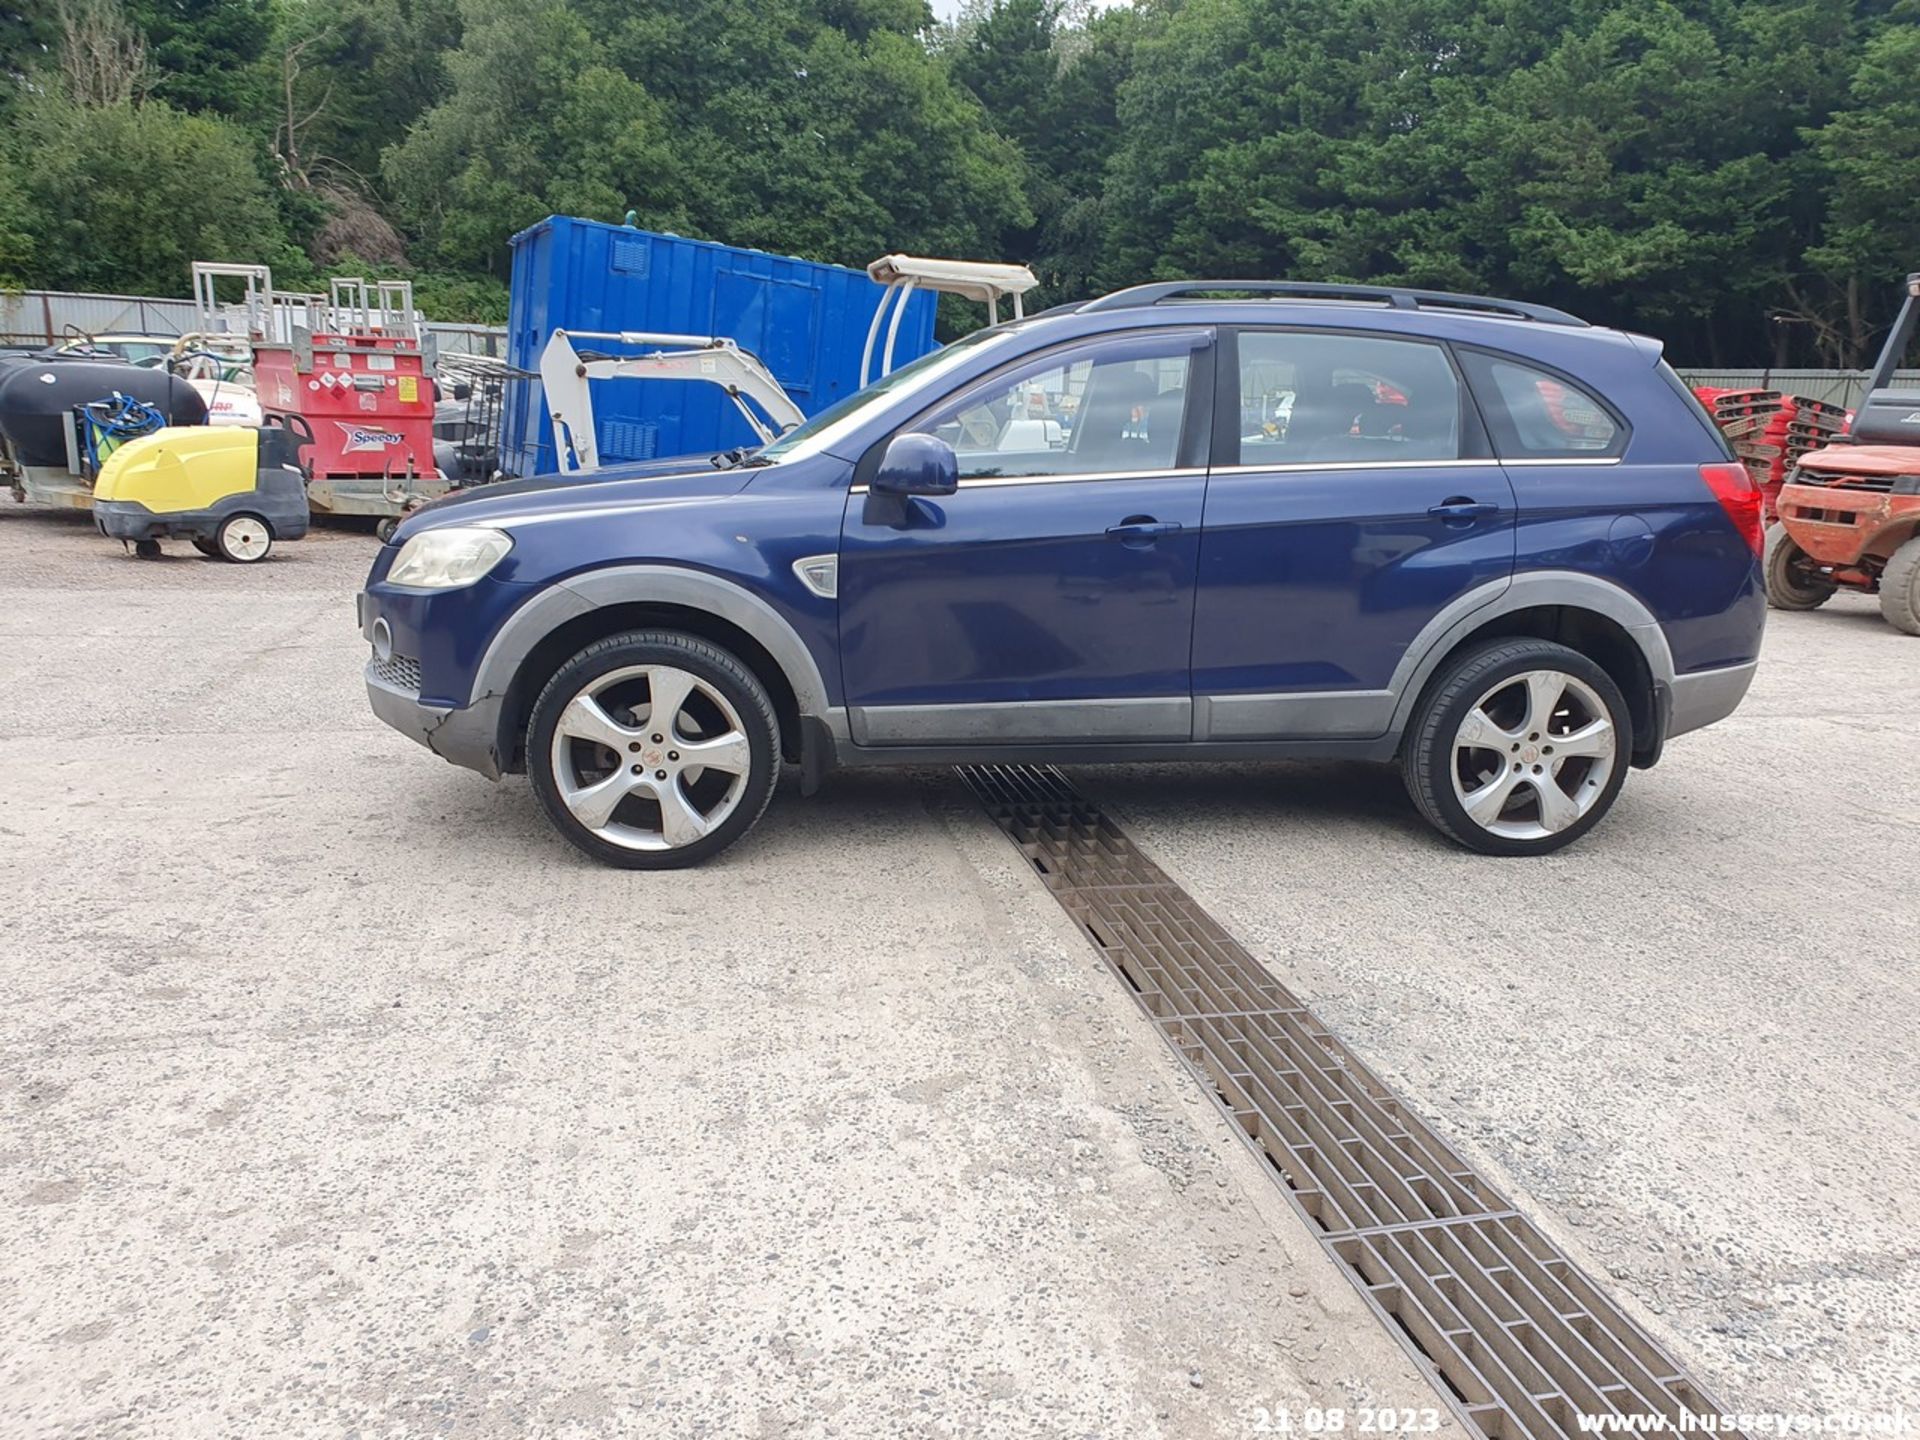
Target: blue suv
pixel 1208 520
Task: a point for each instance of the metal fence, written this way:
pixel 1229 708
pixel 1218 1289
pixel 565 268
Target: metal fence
pixel 1845 388
pixel 46 317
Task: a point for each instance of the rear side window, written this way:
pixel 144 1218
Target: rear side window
pixel 1535 415
pixel 1697 410
pixel 1308 398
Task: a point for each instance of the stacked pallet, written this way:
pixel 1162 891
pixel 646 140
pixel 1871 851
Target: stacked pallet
pixel 1770 431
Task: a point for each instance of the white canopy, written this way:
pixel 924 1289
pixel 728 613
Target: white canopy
pixel 982 280
pixel 974 279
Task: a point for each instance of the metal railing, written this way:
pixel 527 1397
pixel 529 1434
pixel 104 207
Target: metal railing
pixel 32 318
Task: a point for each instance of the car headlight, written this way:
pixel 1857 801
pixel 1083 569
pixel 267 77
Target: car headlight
pixel 448 558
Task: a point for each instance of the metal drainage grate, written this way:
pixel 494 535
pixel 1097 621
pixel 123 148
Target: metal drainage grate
pixel 1506 1326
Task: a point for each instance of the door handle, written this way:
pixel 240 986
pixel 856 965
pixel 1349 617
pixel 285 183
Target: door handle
pixel 1460 507
pixel 1142 529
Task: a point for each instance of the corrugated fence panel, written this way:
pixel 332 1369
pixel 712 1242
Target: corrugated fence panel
pixel 807 321
pixel 46 317
pixel 469 339
pixel 1845 388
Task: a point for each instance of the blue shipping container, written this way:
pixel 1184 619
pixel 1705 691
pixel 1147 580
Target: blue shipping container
pixel 807 321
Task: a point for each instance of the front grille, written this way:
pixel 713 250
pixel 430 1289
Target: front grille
pixel 399 672
pixel 1879 484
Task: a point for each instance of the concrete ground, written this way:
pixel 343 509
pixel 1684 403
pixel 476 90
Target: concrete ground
pixel 1686 1045
pixel 339 1097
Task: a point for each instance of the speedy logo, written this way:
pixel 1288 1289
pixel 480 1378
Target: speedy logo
pixel 362 438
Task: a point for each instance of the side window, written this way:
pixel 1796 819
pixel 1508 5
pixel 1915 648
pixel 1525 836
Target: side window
pixel 1342 398
pixel 1537 416
pixel 1110 406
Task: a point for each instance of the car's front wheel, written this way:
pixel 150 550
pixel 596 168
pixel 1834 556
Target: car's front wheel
pixel 1518 747
pixel 653 750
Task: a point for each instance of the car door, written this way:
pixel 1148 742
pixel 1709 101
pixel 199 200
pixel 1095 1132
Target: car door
pixel 1353 497
pixel 1050 598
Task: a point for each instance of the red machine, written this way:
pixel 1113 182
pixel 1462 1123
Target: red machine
pixel 354 365
pixel 1850 512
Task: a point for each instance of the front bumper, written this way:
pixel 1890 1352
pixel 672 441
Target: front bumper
pixel 465 735
pixel 462 736
pixel 125 520
pixel 1837 524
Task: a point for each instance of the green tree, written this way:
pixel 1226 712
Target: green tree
pixel 203 52
pixel 1637 160
pixel 347 78
pixel 127 197
pixel 1871 236
pixel 1049 84
pixel 16 238
pixel 27 38
pixel 535 121
pixel 820 129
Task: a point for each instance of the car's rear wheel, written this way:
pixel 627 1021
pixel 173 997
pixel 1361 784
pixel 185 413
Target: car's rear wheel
pixel 1519 747
pixel 1900 588
pixel 1792 581
pixel 653 750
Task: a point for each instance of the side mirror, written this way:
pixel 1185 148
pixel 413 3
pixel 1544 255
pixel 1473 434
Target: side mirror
pixel 917 465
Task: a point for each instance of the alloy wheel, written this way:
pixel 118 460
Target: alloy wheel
pixel 650 757
pixel 1533 756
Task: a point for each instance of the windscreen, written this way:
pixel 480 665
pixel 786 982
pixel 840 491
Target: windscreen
pixel 822 430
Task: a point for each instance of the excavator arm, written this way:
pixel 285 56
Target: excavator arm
pixel 565 374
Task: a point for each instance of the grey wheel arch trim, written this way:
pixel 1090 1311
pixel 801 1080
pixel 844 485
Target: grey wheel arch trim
pixel 593 590
pixel 1524 592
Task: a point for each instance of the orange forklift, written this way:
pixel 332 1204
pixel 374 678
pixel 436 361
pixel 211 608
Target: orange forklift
pixel 1850 511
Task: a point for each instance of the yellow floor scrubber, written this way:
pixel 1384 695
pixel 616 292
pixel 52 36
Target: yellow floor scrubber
pixel 231 490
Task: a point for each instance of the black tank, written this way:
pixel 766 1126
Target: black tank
pixel 36 396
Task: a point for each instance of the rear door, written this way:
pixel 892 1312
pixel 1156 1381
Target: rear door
pixel 1352 498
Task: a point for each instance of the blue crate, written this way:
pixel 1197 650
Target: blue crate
pixel 806 320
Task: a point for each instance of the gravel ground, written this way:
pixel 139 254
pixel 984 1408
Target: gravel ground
pixel 1686 1045
pixel 338 1097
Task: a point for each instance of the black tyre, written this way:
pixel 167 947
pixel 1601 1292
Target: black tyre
pixel 1900 588
pixel 243 539
pixel 1518 747
pixel 653 750
pixel 1792 582
pixel 383 531
pixel 206 547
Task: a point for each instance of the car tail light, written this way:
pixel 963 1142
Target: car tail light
pixel 1733 487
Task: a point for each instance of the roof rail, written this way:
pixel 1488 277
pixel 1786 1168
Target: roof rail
pixel 1393 296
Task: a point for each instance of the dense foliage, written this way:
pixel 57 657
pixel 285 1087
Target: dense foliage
pixel 1740 177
